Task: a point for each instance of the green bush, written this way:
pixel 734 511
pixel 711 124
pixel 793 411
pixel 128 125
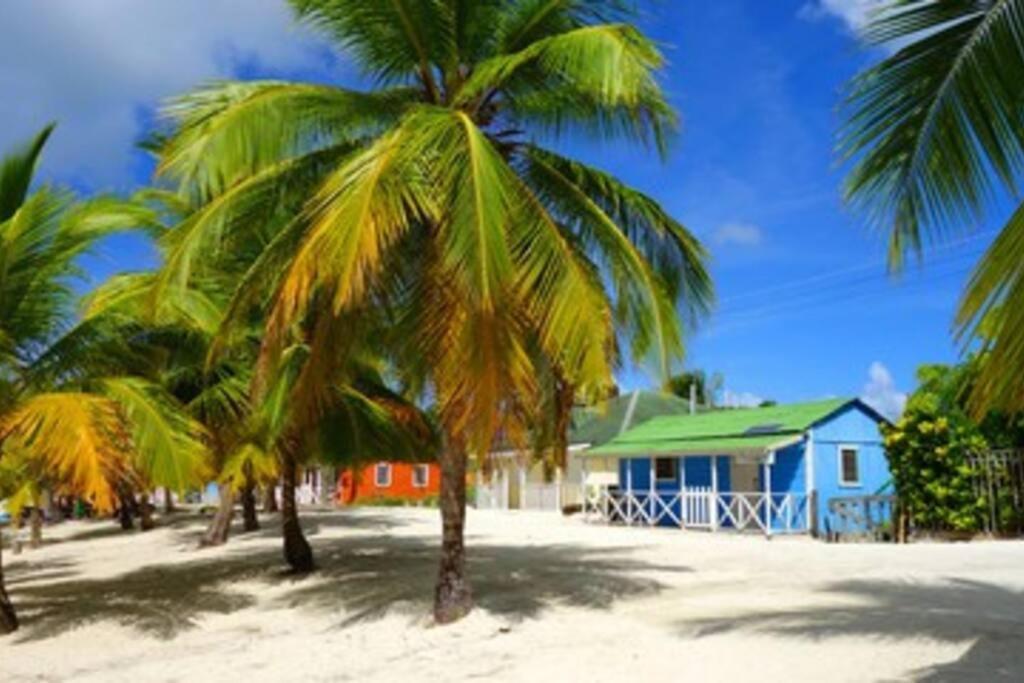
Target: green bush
pixel 928 452
pixel 397 501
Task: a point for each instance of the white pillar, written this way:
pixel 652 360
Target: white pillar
pixel 583 486
pixel 558 489
pixel 809 484
pixel 683 515
pixel 504 489
pixel 714 493
pixel 653 491
pixel 522 486
pixel 768 495
pixel 629 490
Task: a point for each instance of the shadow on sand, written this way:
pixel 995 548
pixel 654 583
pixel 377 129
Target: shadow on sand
pixel 361 578
pixel 990 617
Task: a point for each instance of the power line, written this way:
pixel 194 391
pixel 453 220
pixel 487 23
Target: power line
pixel 939 255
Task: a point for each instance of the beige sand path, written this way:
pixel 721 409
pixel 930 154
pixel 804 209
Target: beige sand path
pixel 559 601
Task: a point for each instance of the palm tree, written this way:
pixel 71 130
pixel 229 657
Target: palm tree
pixel 69 413
pixel 938 143
pixel 502 267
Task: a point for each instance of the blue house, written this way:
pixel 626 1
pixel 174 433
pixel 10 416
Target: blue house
pixel 772 469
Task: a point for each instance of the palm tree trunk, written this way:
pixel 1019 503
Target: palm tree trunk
pixel 35 517
pixel 220 525
pixel 453 598
pixel 297 551
pixel 270 498
pixel 124 510
pixel 8 618
pixel 146 522
pixel 250 521
pixel 168 501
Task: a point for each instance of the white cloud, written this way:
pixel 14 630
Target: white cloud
pixel 880 392
pixel 741 399
pixel 853 13
pixel 738 234
pixel 95 66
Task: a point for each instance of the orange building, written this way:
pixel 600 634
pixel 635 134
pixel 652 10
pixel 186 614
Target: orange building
pixel 411 481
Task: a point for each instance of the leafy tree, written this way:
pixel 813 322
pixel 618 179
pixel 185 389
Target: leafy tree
pixel 682 384
pixel 507 272
pixel 935 132
pixel 928 449
pixel 70 414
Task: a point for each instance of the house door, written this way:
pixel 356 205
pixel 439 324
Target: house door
pixel 745 477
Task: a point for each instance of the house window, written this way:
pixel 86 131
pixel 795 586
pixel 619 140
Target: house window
pixel 849 466
pixel 420 475
pixel 382 475
pixel 666 469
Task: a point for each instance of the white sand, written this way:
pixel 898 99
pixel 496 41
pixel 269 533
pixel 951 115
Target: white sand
pixel 558 601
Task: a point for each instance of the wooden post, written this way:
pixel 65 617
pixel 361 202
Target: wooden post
pixel 768 496
pixel 714 493
pixel 812 513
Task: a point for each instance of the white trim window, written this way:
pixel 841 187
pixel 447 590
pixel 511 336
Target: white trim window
pixel 420 476
pixel 382 475
pixel 849 466
pixel 666 470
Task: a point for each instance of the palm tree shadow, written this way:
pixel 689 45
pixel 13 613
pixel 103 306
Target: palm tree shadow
pixel 363 577
pixel 988 615
pixel 371 578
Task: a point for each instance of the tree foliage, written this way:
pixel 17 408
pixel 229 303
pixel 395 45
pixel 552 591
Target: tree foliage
pixel 929 449
pixel 935 134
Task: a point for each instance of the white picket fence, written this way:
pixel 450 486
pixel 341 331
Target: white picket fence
pixel 540 497
pixel 699 508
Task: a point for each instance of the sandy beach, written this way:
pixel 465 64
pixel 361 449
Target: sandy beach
pixel 557 599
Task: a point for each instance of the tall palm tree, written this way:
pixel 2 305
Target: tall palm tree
pixel 69 411
pixel 936 134
pixel 501 265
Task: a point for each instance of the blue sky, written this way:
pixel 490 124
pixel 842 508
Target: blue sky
pixel 806 307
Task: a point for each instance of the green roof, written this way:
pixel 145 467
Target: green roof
pixel 739 430
pixel 600 424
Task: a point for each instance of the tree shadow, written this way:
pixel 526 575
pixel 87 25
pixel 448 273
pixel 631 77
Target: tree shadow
pixel 960 611
pixel 371 578
pixel 362 577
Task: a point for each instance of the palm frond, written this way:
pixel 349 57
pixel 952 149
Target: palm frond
pixel 78 440
pixel 16 171
pixel 991 311
pixel 396 41
pixel 168 445
pixel 230 131
pixel 934 128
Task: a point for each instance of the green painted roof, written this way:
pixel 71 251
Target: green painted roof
pixel 720 432
pixel 600 424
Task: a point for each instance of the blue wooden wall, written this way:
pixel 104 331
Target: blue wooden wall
pixel 855 427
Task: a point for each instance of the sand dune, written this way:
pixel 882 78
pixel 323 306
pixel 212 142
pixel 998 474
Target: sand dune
pixel 558 600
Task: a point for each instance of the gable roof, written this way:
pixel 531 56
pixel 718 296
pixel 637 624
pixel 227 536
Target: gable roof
pixel 599 424
pixel 725 432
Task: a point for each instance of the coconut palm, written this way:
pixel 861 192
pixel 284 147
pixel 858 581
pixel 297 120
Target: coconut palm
pixel 69 413
pixel 431 198
pixel 938 143
pixel 256 431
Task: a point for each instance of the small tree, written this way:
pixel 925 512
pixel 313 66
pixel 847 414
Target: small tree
pixel 929 449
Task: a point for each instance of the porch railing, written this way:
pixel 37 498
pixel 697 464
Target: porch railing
pixel 699 508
